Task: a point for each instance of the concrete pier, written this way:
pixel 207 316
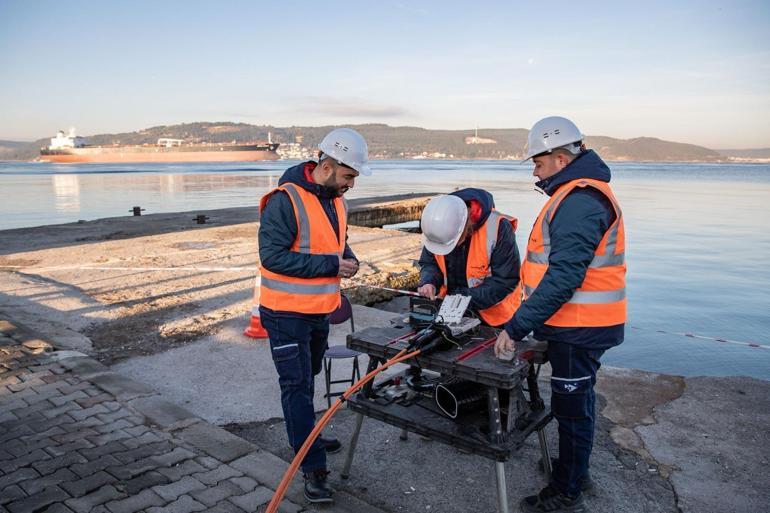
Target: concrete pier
pixel 122 359
pixel 128 286
pixel 378 212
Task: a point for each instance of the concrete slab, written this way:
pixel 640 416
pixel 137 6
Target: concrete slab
pixel 162 413
pixel 715 437
pixel 83 366
pixel 269 469
pixel 57 356
pixel 227 377
pixel 120 386
pixel 215 441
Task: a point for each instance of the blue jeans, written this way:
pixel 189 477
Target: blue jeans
pixel 572 402
pixel 298 346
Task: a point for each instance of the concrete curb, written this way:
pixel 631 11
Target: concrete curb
pixel 216 442
pixel 161 413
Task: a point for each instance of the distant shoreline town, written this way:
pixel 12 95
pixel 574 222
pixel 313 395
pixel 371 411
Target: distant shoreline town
pixel 387 142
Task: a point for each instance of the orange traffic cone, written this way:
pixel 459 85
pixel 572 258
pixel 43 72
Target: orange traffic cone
pixel 255 328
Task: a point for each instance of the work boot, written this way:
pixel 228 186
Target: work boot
pixel 332 445
pixel 587 484
pixel 317 486
pixel 550 500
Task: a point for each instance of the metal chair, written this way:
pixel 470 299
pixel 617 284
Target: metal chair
pixel 338 352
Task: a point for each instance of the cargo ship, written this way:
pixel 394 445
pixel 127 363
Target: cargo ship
pixel 71 148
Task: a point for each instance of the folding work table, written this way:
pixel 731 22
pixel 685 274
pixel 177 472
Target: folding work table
pixel 513 409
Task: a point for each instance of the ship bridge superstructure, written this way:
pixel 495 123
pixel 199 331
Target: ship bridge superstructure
pixel 66 141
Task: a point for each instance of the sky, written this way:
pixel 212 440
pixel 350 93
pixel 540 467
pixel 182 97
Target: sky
pixel 687 71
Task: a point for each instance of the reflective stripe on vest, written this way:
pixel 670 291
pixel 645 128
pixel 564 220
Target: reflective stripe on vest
pixel 586 297
pixel 483 242
pixel 301 288
pixel 601 298
pixel 315 236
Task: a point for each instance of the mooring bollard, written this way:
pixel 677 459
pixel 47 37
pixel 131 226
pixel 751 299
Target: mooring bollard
pixel 201 218
pixel 137 211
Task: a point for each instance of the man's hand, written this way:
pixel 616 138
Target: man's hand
pixel 428 290
pixel 348 268
pixel 504 344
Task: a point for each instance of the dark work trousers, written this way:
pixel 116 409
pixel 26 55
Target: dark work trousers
pixel 298 345
pixel 572 403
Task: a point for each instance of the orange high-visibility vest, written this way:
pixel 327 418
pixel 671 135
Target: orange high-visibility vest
pixel 601 298
pixel 315 236
pixel 483 243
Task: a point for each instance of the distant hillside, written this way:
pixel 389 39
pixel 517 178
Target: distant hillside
pixel 757 153
pixel 10 148
pixel 650 149
pixel 400 142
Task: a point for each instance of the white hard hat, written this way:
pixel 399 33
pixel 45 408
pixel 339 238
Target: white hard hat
pixel 442 223
pixel 349 147
pixel 551 133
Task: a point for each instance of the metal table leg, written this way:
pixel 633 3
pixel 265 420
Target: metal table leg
pixel 352 447
pixel 502 492
pixel 545 454
pixel 496 434
pixel 536 402
pixel 373 363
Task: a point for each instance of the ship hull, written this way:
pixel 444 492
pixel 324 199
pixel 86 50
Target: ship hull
pixel 202 156
pixel 117 154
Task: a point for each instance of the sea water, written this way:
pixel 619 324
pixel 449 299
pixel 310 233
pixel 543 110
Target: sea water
pixel 698 235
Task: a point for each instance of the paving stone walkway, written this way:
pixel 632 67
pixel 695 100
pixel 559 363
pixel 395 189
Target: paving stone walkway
pixel 76 437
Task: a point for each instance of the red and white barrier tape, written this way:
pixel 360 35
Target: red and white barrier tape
pixel 703 337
